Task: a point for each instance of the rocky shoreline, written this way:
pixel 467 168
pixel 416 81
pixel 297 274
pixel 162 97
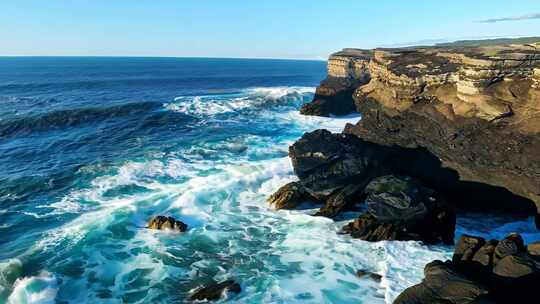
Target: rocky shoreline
pixel 443 130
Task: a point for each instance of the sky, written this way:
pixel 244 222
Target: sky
pixel 303 29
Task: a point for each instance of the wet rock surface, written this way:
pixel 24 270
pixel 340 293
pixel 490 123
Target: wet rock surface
pixel 475 275
pixel 215 291
pixel 289 196
pixel 166 223
pixel 400 208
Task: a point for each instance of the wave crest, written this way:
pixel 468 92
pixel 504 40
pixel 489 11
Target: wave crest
pixel 249 99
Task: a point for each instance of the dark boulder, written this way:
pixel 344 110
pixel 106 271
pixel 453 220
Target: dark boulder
pixel 166 223
pixel 335 168
pixel 400 208
pixel 289 196
pixel 337 201
pixel 370 275
pixel 443 284
pixel 473 276
pixel 484 255
pixel 510 245
pixel 467 247
pixel 215 291
pixel 325 162
pixel 392 198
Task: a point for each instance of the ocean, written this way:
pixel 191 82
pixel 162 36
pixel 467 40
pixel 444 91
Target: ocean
pixel 92 148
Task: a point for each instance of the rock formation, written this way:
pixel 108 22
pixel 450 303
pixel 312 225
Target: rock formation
pixel 400 208
pixel 290 196
pixel 475 109
pixel 346 71
pixel 215 291
pixel 502 271
pixel 166 223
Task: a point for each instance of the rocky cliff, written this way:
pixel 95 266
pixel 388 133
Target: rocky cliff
pixel 476 109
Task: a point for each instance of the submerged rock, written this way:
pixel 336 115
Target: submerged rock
pixel 216 291
pixel 166 222
pixel 289 196
pixel 400 208
pixel 371 275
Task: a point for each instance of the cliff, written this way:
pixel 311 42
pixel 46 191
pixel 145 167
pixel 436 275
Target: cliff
pixel 476 109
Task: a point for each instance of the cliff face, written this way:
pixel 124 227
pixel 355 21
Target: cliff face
pixel 477 109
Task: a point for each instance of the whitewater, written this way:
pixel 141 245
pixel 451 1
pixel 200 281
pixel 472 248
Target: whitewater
pixel 216 157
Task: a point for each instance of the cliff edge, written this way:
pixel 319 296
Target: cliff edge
pixel 476 109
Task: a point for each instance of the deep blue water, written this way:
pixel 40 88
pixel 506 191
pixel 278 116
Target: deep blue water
pixel 91 148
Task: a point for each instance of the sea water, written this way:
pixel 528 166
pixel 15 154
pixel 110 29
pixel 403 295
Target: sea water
pixel 91 148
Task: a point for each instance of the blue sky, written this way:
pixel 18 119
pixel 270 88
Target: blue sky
pixel 250 28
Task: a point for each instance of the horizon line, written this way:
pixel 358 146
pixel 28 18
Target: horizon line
pixel 157 56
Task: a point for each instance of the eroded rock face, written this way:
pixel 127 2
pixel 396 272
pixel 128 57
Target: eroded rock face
pixel 214 292
pixel 475 275
pixel 400 208
pixel 476 109
pixel 166 223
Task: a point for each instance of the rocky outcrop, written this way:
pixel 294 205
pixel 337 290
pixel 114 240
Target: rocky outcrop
pixel 161 222
pixel 400 208
pixel 346 71
pixel 475 109
pixel 480 272
pixel 334 168
pixel 215 291
pixel 290 196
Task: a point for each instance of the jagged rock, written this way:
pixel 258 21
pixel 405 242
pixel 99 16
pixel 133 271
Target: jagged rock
pixel 166 223
pixel 466 247
pixel 215 291
pixel 510 245
pixel 348 196
pixel 442 284
pixel 289 196
pixel 400 208
pixel 326 162
pixel 513 279
pixel 484 255
pixel 391 198
pixel 334 168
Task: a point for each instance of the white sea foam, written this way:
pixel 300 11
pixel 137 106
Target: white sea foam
pixel 250 99
pixel 39 289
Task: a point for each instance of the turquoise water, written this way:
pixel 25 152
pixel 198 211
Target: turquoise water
pixel 91 148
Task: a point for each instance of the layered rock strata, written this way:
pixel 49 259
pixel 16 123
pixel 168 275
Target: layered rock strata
pixel 347 71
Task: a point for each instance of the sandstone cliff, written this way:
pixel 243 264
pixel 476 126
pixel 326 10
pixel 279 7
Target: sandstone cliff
pixel 476 109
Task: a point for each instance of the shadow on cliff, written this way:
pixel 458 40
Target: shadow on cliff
pixel 464 195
